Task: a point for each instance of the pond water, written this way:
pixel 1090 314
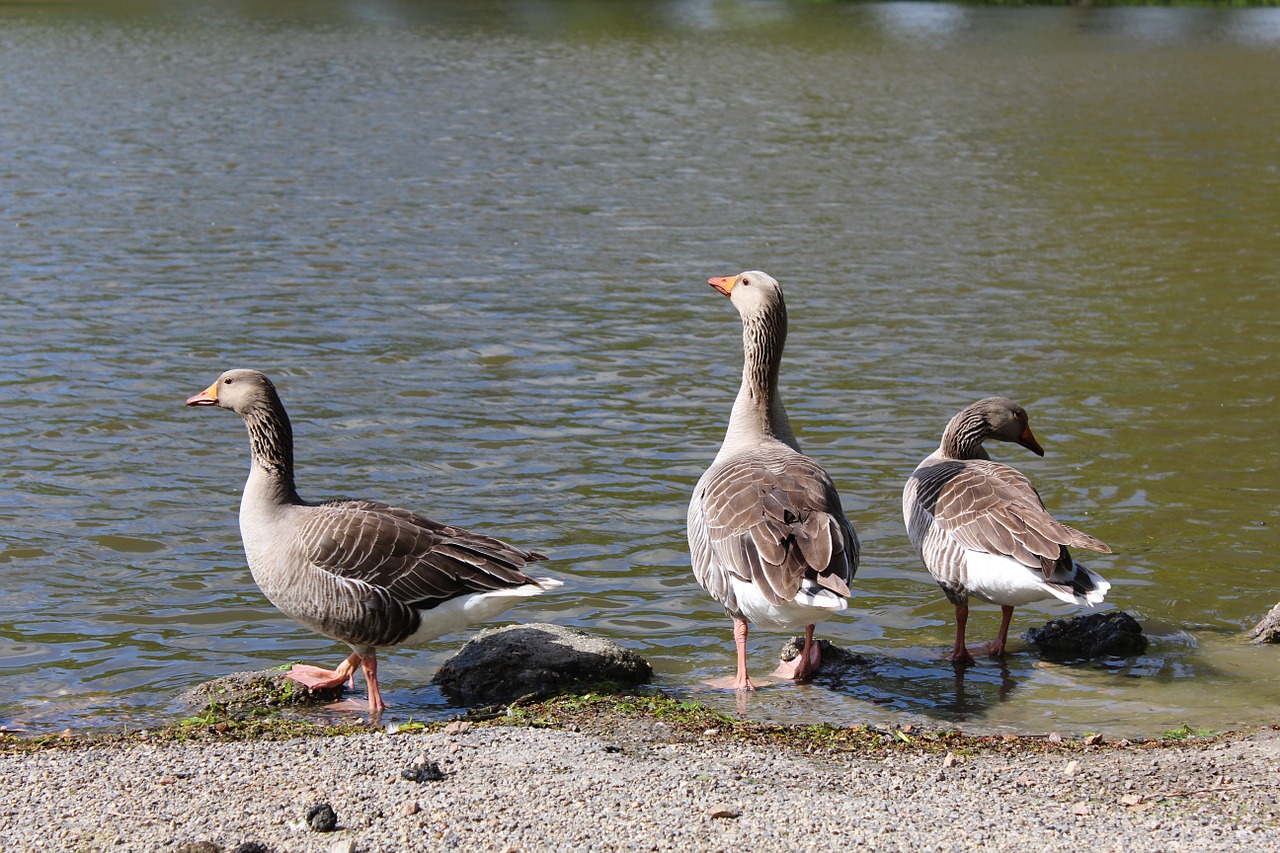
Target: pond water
pixel 469 241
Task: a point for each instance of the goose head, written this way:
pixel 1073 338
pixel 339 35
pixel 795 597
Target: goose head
pixel 240 390
pixel 752 292
pixel 1002 419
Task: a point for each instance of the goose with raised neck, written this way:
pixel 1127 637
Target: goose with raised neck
pixel 365 573
pixel 768 538
pixel 982 531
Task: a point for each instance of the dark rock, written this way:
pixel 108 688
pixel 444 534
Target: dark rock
pixel 1268 630
pixel 200 847
pixel 322 818
pixel 241 693
pixel 252 847
pixel 504 664
pixel 1095 635
pixel 428 771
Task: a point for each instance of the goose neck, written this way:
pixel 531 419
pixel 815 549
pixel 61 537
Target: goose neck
pixel 271 445
pixel 963 437
pixel 758 413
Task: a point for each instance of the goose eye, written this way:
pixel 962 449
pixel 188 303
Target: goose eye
pixel 228 381
pixel 745 281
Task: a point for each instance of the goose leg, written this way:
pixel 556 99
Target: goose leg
pixel 742 681
pixel 314 676
pixel 805 664
pixel 960 653
pixel 371 676
pixel 1006 615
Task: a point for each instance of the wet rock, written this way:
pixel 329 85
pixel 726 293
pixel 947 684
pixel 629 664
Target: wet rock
pixel 241 693
pixel 427 771
pixel 504 664
pixel 1268 630
pixel 322 818
pixel 1095 635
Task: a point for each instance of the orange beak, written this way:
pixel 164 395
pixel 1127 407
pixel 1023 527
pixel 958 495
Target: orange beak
pixel 1028 441
pixel 207 397
pixel 724 285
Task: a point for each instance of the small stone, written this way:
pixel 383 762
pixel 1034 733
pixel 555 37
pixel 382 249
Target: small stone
pixel 200 847
pixel 427 771
pixel 410 808
pixel 1072 768
pixel 1093 740
pixel 950 760
pixel 252 847
pixel 322 818
pixel 1131 800
pixel 1054 737
pixel 457 727
pixel 346 845
pixel 711 732
pixel 724 811
pixel 1081 809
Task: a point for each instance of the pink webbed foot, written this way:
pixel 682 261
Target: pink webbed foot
pixel 314 676
pixel 802 667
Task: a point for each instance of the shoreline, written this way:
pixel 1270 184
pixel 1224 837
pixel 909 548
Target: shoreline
pixel 615 773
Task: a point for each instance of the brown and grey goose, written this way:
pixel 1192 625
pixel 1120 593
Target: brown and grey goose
pixel 767 536
pixel 981 529
pixel 362 572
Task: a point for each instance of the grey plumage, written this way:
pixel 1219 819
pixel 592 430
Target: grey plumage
pixel 363 572
pixel 768 537
pixel 980 526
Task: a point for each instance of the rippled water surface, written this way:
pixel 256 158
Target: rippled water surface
pixel 470 240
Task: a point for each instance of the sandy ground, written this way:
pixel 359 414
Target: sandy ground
pixel 637 785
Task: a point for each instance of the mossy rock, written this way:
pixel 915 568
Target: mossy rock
pixel 245 693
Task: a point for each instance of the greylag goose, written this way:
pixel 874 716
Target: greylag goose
pixel 362 572
pixel 767 536
pixel 981 529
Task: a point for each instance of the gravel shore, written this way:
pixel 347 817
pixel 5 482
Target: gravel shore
pixel 635 787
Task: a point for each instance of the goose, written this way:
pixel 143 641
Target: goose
pixel 362 572
pixel 768 538
pixel 982 531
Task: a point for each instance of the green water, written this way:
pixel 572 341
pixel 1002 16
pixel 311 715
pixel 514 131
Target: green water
pixel 470 240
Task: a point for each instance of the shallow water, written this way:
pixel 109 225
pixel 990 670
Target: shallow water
pixel 469 242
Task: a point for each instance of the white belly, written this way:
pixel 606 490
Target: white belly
pixel 807 608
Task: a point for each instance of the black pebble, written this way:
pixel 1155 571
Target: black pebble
pixel 321 818
pixel 429 772
pixel 252 847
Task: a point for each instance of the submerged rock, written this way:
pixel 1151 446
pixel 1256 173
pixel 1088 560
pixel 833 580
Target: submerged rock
pixel 504 664
pixel 1268 630
pixel 244 692
pixel 1095 635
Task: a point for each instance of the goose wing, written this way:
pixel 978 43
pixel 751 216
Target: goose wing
pixel 992 507
pixel 414 559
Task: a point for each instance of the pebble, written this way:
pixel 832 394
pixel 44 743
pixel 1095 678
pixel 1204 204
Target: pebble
pixel 322 818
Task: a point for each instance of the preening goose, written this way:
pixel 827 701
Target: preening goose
pixel 981 529
pixel 767 536
pixel 363 572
